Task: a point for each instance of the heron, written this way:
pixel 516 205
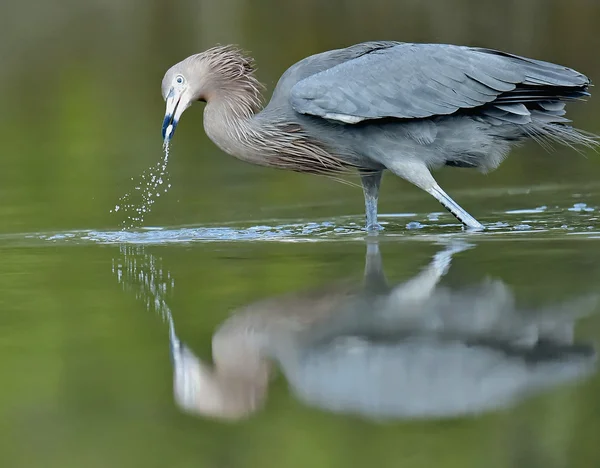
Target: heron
pixel 408 108
pixel 417 349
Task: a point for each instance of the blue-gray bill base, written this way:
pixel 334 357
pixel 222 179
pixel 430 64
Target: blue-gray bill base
pixel 405 107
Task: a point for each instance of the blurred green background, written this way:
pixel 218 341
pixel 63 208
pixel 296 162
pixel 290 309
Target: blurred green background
pixel 80 85
pixel 85 370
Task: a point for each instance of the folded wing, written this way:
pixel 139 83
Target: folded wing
pixel 409 81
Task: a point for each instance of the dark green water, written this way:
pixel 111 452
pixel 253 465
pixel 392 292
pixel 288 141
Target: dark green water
pixel 489 363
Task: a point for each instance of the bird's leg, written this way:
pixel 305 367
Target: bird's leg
pixel 371 181
pixel 374 276
pixel 421 287
pixel 455 209
pixel 417 173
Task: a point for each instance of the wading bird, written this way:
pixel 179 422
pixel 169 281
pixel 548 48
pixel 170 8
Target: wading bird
pixel 373 106
pixel 381 351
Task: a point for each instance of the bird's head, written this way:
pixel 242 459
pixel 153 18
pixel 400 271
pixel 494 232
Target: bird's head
pixel 181 86
pixel 201 77
pixel 233 390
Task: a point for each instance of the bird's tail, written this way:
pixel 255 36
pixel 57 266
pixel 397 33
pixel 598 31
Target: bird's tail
pixel 549 133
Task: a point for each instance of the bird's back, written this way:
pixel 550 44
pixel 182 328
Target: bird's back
pixel 411 81
pixel 426 91
pixel 320 62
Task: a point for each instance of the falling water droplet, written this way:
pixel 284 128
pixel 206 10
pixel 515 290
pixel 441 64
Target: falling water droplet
pixel 145 191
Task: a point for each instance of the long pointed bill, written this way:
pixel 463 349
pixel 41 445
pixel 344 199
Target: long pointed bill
pixel 172 114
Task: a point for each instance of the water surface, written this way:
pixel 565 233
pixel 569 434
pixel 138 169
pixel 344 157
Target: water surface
pixel 429 347
pixel 91 366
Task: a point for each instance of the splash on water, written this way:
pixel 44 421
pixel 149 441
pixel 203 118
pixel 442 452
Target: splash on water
pixel 578 207
pixel 153 182
pixel 415 225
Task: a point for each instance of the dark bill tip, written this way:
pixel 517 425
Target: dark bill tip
pixel 166 122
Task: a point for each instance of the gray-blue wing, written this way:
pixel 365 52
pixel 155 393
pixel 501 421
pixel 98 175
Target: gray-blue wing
pixel 422 80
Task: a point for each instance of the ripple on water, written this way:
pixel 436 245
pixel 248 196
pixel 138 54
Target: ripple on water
pixel 539 209
pixel 538 223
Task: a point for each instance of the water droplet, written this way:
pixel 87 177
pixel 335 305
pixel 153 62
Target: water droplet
pixel 138 202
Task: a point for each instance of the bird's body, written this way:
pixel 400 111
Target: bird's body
pixel 373 106
pixel 417 349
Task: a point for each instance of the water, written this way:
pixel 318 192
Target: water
pixel 244 318
pixel 107 337
pixel 154 182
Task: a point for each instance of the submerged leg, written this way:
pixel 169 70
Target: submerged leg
pixel 417 173
pixel 370 183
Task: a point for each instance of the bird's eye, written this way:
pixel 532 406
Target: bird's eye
pixel 179 79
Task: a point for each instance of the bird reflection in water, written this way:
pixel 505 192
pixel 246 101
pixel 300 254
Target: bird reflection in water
pixel 414 350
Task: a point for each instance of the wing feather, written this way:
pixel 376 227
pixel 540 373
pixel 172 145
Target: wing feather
pixel 422 80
